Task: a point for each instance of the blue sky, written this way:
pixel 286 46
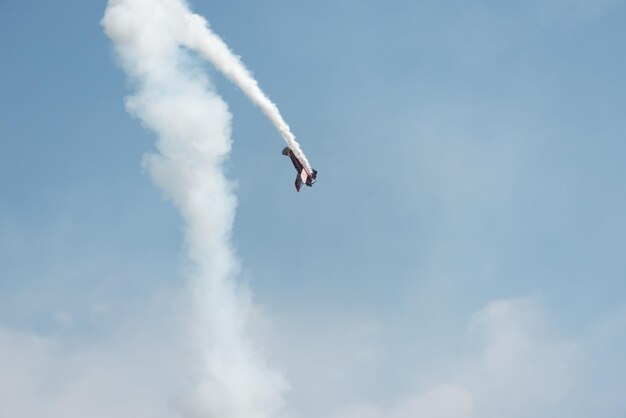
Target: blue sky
pixel 468 224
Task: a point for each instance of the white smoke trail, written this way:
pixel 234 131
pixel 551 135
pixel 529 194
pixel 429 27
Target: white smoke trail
pixel 210 46
pixel 193 124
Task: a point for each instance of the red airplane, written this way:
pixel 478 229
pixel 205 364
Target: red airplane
pixel 304 176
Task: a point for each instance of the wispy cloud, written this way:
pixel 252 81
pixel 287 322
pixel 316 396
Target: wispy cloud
pixel 515 366
pixel 63 378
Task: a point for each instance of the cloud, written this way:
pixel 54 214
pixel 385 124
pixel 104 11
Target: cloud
pixel 59 378
pixel 514 367
pixel 513 364
pixel 444 401
pixel 520 367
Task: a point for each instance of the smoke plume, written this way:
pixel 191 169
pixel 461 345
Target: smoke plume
pixel 173 98
pixel 210 46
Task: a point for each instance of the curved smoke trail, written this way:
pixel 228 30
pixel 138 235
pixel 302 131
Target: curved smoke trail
pixel 193 124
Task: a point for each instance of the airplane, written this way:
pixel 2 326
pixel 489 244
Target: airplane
pixel 304 176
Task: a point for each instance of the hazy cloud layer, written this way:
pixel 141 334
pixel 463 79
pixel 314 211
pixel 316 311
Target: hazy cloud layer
pixel 515 366
pixel 61 378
